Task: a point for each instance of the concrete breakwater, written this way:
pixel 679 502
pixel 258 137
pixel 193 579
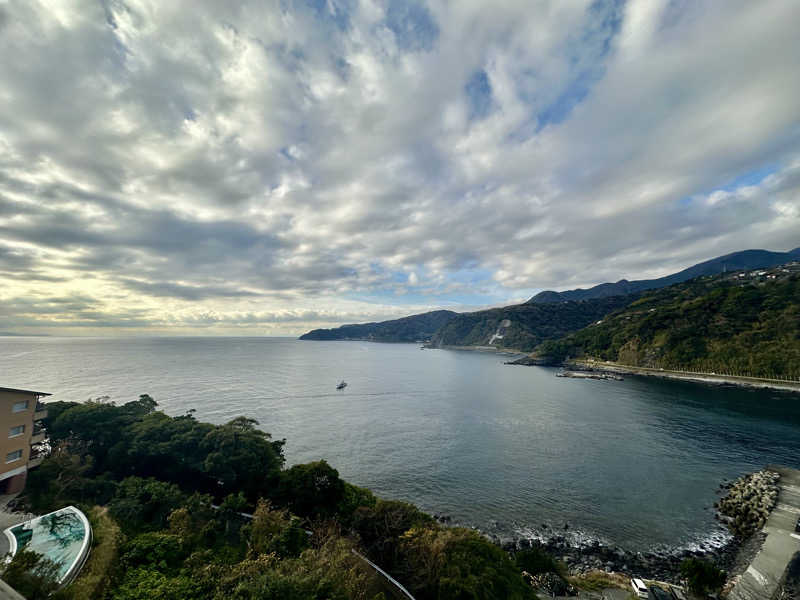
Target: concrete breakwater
pixel 589 375
pixel 746 507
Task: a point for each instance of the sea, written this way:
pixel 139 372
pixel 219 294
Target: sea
pixel 510 450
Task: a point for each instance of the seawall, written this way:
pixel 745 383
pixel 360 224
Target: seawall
pixel 712 378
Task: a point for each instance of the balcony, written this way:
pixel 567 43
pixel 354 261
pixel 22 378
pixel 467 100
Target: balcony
pixel 38 436
pixel 40 412
pixel 36 458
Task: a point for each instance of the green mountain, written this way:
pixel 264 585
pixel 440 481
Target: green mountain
pixel 547 316
pixel 408 329
pixel 524 326
pixel 746 323
pixel 737 261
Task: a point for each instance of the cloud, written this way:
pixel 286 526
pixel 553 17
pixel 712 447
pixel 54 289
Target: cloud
pixel 213 165
pixel 186 292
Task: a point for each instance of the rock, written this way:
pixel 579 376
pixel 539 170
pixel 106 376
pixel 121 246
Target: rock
pixel 748 503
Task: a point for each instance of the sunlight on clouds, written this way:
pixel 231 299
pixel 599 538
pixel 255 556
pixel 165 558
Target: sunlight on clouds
pixel 254 168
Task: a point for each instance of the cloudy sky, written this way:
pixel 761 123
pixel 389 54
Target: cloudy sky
pixel 191 167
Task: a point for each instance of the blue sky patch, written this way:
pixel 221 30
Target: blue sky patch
pixel 753 177
pixel 412 24
pixel 479 95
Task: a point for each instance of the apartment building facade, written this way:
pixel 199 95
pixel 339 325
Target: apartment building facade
pixel 21 436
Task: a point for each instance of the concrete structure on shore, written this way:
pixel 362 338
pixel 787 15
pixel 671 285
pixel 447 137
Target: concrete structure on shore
pixel 20 432
pixel 765 576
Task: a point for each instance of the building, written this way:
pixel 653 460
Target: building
pixel 20 435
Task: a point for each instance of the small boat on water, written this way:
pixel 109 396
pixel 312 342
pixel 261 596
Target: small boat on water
pixel 342 385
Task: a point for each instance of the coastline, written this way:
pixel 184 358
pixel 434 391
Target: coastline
pixel 708 378
pixel 489 349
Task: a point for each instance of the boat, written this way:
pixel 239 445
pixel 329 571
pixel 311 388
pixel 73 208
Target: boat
pixel 342 385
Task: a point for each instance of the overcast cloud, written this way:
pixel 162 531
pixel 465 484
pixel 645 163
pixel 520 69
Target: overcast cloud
pixel 269 167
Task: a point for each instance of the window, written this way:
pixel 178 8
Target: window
pixel 20 406
pixel 15 431
pixel 12 456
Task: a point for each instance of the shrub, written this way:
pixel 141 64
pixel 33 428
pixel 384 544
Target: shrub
pixel 380 527
pixel 146 584
pixel 311 490
pixel 459 564
pixel 32 575
pixel 276 531
pixel 155 550
pixel 94 578
pixel 536 560
pixel 144 504
pixel 703 576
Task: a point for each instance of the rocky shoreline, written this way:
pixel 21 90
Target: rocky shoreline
pixel 661 565
pixel 743 510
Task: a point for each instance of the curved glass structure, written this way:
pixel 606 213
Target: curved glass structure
pixel 63 536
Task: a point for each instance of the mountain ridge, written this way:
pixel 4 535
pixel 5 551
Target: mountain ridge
pixel 734 261
pixel 413 328
pixel 522 327
pixel 741 323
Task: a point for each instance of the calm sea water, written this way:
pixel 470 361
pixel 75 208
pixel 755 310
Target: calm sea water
pixel 506 449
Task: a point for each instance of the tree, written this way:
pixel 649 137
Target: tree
pixel 154 549
pixel 381 526
pixel 536 560
pixel 144 504
pixel 458 564
pixel 242 458
pixel 275 531
pixel 311 490
pixel 703 576
pixel 32 575
pixel 145 584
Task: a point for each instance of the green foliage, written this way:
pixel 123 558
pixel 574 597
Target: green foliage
pixel 531 324
pixel 712 325
pixel 703 576
pixel 276 531
pixel 459 564
pixel 329 572
pixel 63 478
pixel 381 526
pixel 32 575
pixel 133 439
pixel 311 490
pixel 95 577
pixel 353 498
pixel 407 329
pixel 196 523
pixel 155 550
pixel 54 410
pixel 161 475
pixel 146 584
pixel 536 560
pixel 144 504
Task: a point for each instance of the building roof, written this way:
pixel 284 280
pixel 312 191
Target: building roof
pixel 31 392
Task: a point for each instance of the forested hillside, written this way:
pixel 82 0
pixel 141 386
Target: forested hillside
pixel 742 323
pixel 524 326
pixel 408 329
pixel 166 497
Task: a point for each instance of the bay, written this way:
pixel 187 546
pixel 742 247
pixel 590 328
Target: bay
pixel 502 448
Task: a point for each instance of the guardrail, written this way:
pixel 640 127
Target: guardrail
pixel 397 585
